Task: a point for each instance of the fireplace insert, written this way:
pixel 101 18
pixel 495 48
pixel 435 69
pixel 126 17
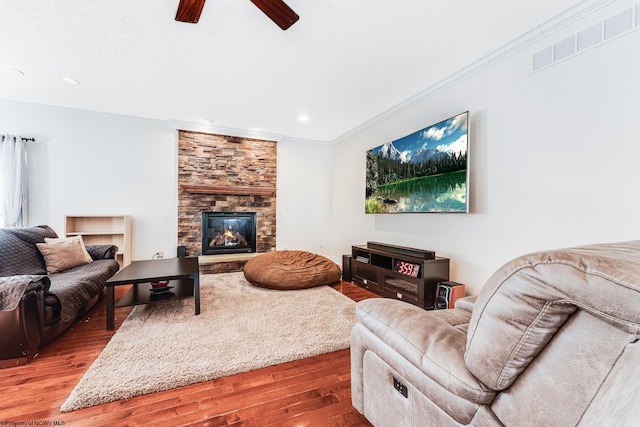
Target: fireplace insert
pixel 228 232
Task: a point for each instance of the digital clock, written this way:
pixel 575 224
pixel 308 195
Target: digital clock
pixel 407 268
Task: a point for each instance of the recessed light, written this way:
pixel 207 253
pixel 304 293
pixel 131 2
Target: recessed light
pixel 303 118
pixel 70 81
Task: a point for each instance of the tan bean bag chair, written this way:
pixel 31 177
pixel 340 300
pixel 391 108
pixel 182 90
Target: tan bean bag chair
pixel 291 270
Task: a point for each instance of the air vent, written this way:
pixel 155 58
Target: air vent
pixel 618 24
pixel 608 29
pixel 590 37
pixel 542 58
pixel 565 48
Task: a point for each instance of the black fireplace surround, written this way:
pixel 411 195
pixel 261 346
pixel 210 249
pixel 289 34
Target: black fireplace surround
pixel 228 232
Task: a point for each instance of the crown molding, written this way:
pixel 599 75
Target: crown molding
pixel 222 130
pixel 29 107
pixel 296 140
pixel 543 30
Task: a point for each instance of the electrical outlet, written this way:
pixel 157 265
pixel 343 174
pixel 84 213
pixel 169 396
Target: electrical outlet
pixel 158 255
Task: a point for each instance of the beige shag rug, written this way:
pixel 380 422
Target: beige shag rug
pixel 240 328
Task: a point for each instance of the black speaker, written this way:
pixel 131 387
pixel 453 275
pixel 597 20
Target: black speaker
pixel 346 268
pixel 182 251
pixel 447 293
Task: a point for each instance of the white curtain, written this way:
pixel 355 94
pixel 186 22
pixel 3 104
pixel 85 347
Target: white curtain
pixel 13 181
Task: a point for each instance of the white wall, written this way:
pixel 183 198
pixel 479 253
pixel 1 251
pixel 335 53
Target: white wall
pixel 88 163
pixel 304 196
pixel 553 159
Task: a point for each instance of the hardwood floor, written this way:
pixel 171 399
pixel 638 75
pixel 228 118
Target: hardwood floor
pixel 308 392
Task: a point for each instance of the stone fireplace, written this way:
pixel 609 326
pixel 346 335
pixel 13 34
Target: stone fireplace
pixel 225 174
pixel 228 232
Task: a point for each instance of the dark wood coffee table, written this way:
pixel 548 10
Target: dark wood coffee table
pixel 182 274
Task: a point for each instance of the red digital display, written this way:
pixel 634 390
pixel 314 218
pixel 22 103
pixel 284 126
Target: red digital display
pixel 407 268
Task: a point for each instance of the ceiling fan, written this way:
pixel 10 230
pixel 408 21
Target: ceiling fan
pixel 277 10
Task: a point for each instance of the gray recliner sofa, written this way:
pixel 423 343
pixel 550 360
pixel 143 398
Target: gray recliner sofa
pixel 551 340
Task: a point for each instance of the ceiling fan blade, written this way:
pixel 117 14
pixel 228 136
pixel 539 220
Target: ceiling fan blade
pixel 278 11
pixel 189 10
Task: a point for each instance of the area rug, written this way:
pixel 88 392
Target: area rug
pixel 241 328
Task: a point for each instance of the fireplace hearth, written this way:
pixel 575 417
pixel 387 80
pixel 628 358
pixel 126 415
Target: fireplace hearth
pixel 228 232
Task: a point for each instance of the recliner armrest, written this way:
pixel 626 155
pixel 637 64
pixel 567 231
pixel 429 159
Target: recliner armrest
pixel 432 341
pixel 466 303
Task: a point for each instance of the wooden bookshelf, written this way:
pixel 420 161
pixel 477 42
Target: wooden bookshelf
pixel 103 230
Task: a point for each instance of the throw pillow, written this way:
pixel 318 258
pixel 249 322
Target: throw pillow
pixel 63 254
pixel 75 240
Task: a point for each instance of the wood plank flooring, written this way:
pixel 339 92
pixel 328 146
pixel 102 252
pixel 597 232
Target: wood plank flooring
pixel 308 392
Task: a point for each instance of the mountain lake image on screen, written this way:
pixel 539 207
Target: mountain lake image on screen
pixel 426 171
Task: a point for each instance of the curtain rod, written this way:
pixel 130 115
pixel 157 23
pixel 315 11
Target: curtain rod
pixel 24 139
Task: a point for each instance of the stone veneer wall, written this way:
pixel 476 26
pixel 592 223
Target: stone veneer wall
pixel 222 267
pixel 207 159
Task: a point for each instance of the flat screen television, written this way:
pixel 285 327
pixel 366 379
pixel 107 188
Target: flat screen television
pixel 426 171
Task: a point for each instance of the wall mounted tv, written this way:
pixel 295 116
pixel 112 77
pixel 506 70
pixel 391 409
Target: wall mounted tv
pixel 426 171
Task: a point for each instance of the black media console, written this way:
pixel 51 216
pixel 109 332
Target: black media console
pixel 399 272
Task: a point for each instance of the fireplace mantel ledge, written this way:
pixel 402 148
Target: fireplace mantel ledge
pixel 229 189
pixel 213 259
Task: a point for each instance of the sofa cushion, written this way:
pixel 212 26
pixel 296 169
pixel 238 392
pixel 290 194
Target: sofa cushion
pixel 18 252
pixel 291 270
pixel 75 287
pixel 529 299
pixel 62 254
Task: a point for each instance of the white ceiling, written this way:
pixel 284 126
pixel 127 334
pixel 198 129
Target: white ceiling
pixel 342 63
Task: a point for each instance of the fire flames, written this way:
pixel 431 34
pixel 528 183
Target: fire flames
pixel 228 234
pixel 228 237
